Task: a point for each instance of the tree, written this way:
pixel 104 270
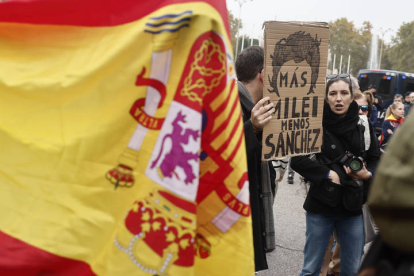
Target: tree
pixel 347 40
pixel 386 58
pixel 234 28
pixel 247 42
pixel 361 50
pixel 401 53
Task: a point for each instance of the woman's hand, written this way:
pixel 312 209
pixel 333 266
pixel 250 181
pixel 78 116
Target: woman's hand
pixel 334 177
pixel 363 174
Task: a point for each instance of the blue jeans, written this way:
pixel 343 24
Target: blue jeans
pixel 319 228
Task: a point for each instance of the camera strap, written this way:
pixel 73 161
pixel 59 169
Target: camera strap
pixel 333 164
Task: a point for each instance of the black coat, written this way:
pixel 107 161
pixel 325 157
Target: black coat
pixel 254 151
pixel 380 104
pixel 324 197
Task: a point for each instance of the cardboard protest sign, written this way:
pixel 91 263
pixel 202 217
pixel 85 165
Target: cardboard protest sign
pixel 294 78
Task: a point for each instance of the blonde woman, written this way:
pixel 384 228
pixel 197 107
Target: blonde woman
pixel 394 117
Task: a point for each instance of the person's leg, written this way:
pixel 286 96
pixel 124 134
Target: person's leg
pixel 327 258
pixel 319 228
pixel 351 238
pixel 291 174
pixel 336 259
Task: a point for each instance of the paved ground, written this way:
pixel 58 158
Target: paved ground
pixel 290 227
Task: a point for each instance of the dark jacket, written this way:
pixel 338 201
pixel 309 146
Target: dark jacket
pixel 254 151
pixel 392 124
pixel 374 115
pixel 339 135
pixel 385 260
pixel 380 104
pixel 407 108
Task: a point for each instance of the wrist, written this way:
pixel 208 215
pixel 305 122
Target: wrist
pixel 255 130
pixel 367 176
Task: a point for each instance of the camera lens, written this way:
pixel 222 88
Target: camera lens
pixel 355 164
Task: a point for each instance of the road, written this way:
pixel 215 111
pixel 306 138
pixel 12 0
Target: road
pixel 290 227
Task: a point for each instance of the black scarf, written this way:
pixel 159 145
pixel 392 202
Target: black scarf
pixel 343 127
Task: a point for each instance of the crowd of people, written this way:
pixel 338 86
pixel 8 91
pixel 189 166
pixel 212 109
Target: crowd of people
pixel 338 191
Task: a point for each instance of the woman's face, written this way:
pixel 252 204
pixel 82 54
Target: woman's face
pixel 363 105
pixel 398 112
pixel 339 97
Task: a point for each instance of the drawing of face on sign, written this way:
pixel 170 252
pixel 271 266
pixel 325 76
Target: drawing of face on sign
pixel 294 79
pixel 298 47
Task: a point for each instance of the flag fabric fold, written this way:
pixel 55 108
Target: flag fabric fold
pixel 122 147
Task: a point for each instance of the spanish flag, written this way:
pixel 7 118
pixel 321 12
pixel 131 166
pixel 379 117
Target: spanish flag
pixel 121 141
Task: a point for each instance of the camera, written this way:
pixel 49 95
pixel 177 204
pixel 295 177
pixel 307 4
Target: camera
pixel 351 161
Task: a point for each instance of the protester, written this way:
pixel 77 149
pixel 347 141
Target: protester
pixel 408 106
pixel 391 203
pixel 377 98
pixel 372 110
pixel 280 168
pixel 336 193
pixel 291 173
pixel 363 107
pixel 333 267
pixel 393 119
pixel 355 85
pixel 398 98
pixel 256 114
pixel 407 98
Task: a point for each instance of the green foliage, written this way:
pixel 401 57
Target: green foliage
pixel 247 43
pixel 386 61
pixel 234 27
pixel 402 53
pixel 347 40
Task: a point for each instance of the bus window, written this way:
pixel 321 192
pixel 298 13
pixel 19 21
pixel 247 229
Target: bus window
pixel 408 86
pixel 385 87
pixel 383 82
pixel 364 83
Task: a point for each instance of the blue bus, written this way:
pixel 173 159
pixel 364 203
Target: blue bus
pixel 389 83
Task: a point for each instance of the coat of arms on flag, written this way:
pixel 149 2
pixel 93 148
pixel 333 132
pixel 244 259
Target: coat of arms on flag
pixel 123 146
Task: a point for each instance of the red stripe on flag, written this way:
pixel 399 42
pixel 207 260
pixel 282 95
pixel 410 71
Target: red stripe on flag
pixel 223 106
pixel 233 131
pixel 18 258
pixel 225 124
pixel 91 12
pixel 236 149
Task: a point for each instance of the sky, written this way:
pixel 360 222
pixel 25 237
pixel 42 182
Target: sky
pixel 383 14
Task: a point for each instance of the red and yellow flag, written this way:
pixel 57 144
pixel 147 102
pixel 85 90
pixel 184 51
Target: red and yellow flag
pixel 121 141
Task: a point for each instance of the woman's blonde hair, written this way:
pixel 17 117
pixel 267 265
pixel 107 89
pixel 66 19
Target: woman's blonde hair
pixel 392 107
pixel 359 95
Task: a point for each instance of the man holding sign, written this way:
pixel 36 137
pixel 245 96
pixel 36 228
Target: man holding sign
pixel 256 114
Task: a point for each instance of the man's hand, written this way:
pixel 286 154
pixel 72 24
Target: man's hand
pixel 334 177
pixel 261 114
pixel 390 131
pixel 363 174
